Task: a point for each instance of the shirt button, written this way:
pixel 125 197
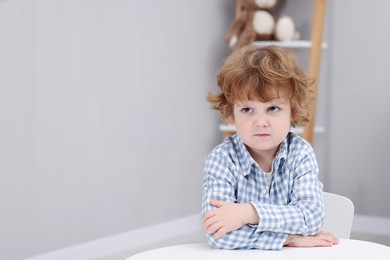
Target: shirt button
pixel 264 192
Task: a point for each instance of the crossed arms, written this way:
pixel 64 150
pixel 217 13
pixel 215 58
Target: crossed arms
pixel 229 217
pixel 291 215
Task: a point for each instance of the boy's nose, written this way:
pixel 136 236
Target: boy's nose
pixel 261 121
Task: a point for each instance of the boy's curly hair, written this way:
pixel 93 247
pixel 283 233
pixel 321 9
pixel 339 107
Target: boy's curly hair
pixel 250 72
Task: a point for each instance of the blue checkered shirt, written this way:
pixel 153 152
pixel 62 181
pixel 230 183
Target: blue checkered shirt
pixel 293 205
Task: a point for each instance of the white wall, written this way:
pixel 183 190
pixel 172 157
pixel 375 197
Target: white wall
pixel 103 119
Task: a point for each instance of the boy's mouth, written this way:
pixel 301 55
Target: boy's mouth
pixel 262 135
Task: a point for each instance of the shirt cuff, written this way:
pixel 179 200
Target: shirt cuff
pixel 268 219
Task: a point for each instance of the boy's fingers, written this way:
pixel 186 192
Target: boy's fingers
pixel 328 237
pixel 208 222
pixel 213 228
pixel 217 203
pixel 222 231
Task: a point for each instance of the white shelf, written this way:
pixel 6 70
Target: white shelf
pixel 288 44
pixel 296 130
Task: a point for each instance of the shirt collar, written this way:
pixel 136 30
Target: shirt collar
pixel 245 159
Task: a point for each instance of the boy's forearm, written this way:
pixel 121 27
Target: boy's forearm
pixel 246 238
pixel 289 219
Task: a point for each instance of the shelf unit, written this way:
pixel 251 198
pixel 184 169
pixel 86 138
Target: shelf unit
pixel 289 44
pixel 315 45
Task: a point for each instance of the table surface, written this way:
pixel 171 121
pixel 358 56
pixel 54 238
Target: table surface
pixel 348 249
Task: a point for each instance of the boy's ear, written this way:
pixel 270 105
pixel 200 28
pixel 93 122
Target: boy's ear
pixel 292 123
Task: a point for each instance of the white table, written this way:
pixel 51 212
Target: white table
pixel 347 249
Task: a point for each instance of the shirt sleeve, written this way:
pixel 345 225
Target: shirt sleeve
pixel 220 184
pixel 304 214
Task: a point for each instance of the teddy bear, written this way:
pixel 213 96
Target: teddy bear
pixel 255 21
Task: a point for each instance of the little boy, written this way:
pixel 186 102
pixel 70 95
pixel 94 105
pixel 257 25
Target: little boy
pixel 261 188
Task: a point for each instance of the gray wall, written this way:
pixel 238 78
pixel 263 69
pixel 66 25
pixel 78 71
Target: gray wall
pixel 104 124
pixel 359 104
pixel 103 119
pixel 353 100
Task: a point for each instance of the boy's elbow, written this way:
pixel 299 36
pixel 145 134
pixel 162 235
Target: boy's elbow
pixel 321 219
pixel 317 222
pixel 217 243
pixel 214 242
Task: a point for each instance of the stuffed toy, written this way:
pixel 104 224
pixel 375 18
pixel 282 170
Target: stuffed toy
pixel 256 22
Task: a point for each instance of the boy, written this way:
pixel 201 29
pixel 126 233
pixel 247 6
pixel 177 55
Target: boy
pixel 261 188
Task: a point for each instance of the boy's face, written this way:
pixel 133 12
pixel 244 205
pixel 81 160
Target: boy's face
pixel 263 126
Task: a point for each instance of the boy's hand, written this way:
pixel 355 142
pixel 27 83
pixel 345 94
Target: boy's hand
pixel 228 216
pixel 321 239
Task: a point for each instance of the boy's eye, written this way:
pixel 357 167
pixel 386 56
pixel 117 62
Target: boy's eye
pixel 273 109
pixel 247 110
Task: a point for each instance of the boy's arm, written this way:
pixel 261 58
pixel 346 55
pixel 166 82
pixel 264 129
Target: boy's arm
pixel 304 214
pixel 228 216
pixel 219 184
